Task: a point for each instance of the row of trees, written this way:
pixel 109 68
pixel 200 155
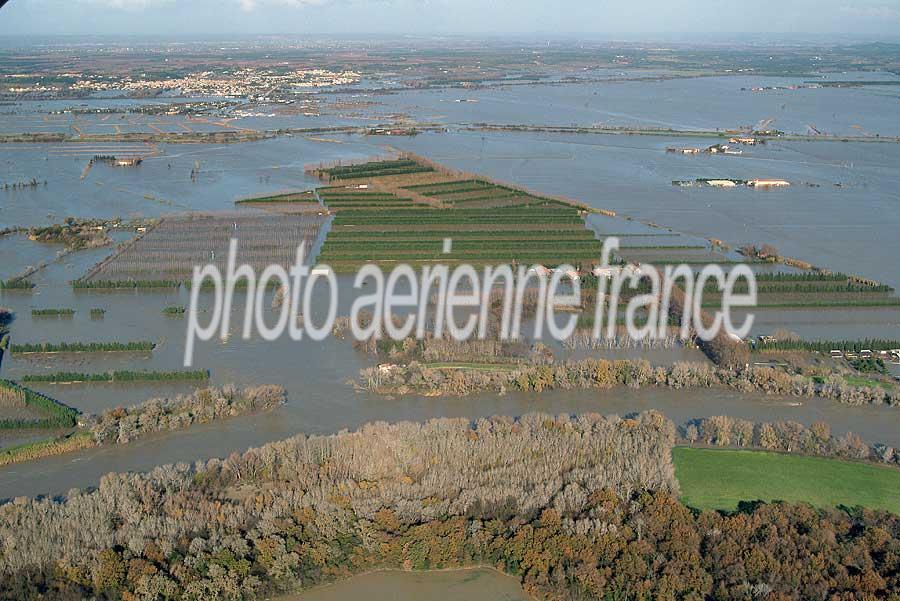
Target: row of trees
pixel 601 373
pixel 82 347
pixel 16 284
pixel 825 346
pixel 52 312
pixel 576 507
pixel 118 376
pixel 122 425
pixel 126 284
pixel 53 413
pixel 786 436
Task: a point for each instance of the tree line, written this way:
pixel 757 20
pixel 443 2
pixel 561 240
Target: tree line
pixel 124 424
pixel 55 414
pixel 82 347
pixel 602 373
pixel 826 346
pixel 575 507
pixel 118 376
pixel 784 436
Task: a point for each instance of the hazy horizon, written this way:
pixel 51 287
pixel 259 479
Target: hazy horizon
pixel 612 20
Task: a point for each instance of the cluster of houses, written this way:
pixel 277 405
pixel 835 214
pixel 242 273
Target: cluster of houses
pixel 609 272
pixel 719 148
pixel 892 355
pixel 732 183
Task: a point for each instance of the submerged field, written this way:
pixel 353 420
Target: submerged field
pixel 720 479
pixel 168 253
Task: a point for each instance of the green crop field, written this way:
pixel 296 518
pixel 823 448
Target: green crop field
pixel 288 197
pixel 719 479
pixel 376 169
pixel 496 225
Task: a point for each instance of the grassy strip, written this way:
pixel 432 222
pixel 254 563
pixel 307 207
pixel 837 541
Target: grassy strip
pixel 359 196
pixel 46 448
pixel 370 166
pixel 381 173
pixel 305 197
pixel 373 220
pixel 450 230
pixel 83 347
pixel 123 284
pixel 805 288
pixel 368 198
pixel 560 242
pixel 504 211
pixel 399 203
pixel 666 261
pixel 666 247
pixel 449 191
pixel 623 235
pixel 118 376
pixel 389 206
pixel 800 304
pixel 802 277
pixel 58 415
pixel 476 199
pixel 720 479
pixel 458 245
pixel 440 185
pixel 512 214
pixel 240 284
pixel 506 256
pixel 349 267
pixel 439 235
pixel 464 243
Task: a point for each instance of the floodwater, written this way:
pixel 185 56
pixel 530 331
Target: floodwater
pixel 162 183
pixel 852 227
pixel 701 103
pixel 395 585
pixel 320 400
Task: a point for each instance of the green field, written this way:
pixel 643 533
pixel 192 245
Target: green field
pixel 719 479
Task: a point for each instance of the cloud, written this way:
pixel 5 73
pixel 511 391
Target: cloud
pixel 883 13
pixel 131 4
pixel 250 5
pixel 246 5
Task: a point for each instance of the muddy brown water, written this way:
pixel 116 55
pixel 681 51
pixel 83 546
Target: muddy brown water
pixel 395 585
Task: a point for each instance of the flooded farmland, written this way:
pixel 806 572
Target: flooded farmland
pixel 842 212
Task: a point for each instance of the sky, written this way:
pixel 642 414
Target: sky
pixel 609 19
